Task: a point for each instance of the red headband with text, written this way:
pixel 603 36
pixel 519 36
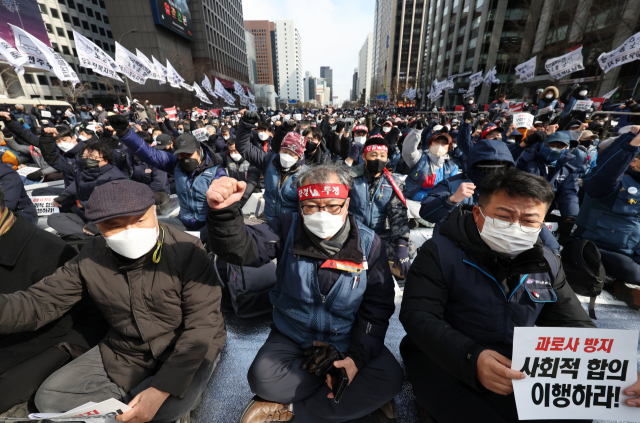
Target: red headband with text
pixel 314 191
pixel 376 147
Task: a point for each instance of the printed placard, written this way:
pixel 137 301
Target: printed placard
pixel 24 171
pixel 45 114
pixel 574 373
pixel 201 134
pixel 582 105
pixel 523 120
pixel 44 205
pixel 297 116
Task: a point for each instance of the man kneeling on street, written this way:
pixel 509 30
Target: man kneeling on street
pixel 483 274
pixel 332 303
pixel 159 294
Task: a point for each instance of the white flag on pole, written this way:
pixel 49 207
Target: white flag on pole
pixel 253 107
pixel 238 89
pixel 207 86
pixel 612 92
pixel 93 57
pixel 159 66
pixel 173 77
pixel 490 77
pixel 251 96
pixel 186 86
pixel 527 69
pixel 565 64
pixel 226 96
pixel 627 52
pixel 11 55
pixel 41 56
pixel 475 80
pixel 132 67
pixel 200 94
pixel 156 74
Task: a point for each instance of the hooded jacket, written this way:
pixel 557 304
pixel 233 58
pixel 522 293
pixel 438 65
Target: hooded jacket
pixel 15 196
pixel 543 102
pixel 461 297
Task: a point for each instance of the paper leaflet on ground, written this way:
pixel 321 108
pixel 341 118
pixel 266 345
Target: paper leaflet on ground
pixel 41 56
pixel 105 411
pixel 573 373
pixel 131 66
pixel 565 64
pixel 93 57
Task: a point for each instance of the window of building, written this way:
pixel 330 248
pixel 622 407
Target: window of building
pixel 54 13
pixel 90 12
pixel 81 70
pixel 28 78
pixel 85 25
pixel 105 19
pixel 102 32
pixel 75 52
pixel 80 8
pixel 49 27
pixel 43 8
pixel 98 16
pixel 55 82
pixel 71 4
pixel 102 4
pixel 43 80
pixel 61 1
pixel 48 97
pixel 66 17
pixel 55 47
pixel 60 32
pixel 94 86
pixel 102 87
pixel 94 28
pixel 70 35
pixel 76 21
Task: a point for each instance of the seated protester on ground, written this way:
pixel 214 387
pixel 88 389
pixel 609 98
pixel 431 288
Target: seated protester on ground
pixel 355 148
pixel 193 165
pixel 488 131
pixel 170 329
pixel 315 150
pixel 549 160
pixel 240 169
pixel 321 272
pixel 376 199
pixel 221 140
pixel 610 213
pixel 462 190
pixel 17 144
pixel 68 151
pixel 464 296
pixel 15 196
pixel 334 140
pixel 261 137
pixel 85 115
pixel 24 118
pixel 149 175
pixel 28 254
pixel 280 167
pixel 428 167
pixel 87 133
pixel 92 168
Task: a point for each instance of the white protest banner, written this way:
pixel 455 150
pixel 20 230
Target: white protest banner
pixel 156 74
pixel 69 114
pixel 573 373
pixel 11 55
pixel 186 86
pixel 44 204
pixel 41 56
pixel 490 77
pixel 474 81
pixel 582 105
pixel 226 96
pixel 173 77
pixel 251 96
pixel 238 89
pixel 207 86
pixel 93 57
pixel 244 100
pixel 103 412
pixel 253 107
pixel 523 120
pixel 160 67
pixel 627 52
pixel 131 66
pixel 566 64
pixel 201 134
pixel 610 93
pixel 45 113
pixel 200 94
pixel 527 69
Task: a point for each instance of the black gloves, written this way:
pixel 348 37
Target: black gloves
pixel 340 126
pixel 288 126
pixel 320 358
pixel 251 117
pixel 35 176
pixel 120 125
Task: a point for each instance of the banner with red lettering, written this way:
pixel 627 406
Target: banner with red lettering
pixel 597 103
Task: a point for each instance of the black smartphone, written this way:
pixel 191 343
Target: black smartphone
pixel 339 380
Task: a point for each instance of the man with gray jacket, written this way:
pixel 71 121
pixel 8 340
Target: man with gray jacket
pixel 159 294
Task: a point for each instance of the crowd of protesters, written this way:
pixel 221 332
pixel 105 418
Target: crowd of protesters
pixel 125 301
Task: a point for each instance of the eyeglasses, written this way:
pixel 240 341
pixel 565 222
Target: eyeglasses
pixel 331 208
pixel 503 222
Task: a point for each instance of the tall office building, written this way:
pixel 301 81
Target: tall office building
pixel 61 17
pixel 467 36
pixel 265 35
pixel 364 70
pixel 327 73
pixel 289 58
pixel 311 94
pixel 398 37
pixel 354 86
pixel 251 57
pixel 197 37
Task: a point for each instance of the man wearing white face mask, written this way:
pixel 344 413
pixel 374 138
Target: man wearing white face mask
pixel 482 275
pixel 359 138
pixel 332 267
pixel 164 339
pixel 569 98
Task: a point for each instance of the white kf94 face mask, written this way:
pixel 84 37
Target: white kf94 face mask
pixel 510 241
pixel 65 146
pixel 287 161
pixel 323 224
pixel 135 242
pixel 263 136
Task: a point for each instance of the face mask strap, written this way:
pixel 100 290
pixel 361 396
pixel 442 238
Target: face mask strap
pixel 157 254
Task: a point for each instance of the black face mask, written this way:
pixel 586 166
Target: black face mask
pixel 90 163
pixel 587 143
pixel 500 101
pixel 310 147
pixel 375 166
pixel 188 165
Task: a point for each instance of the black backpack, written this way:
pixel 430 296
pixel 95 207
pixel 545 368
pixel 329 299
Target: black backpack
pixel 585 272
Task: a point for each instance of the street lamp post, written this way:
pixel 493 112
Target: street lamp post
pixel 126 80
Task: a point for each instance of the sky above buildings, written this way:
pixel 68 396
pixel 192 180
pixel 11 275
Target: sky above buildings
pixel 332 33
